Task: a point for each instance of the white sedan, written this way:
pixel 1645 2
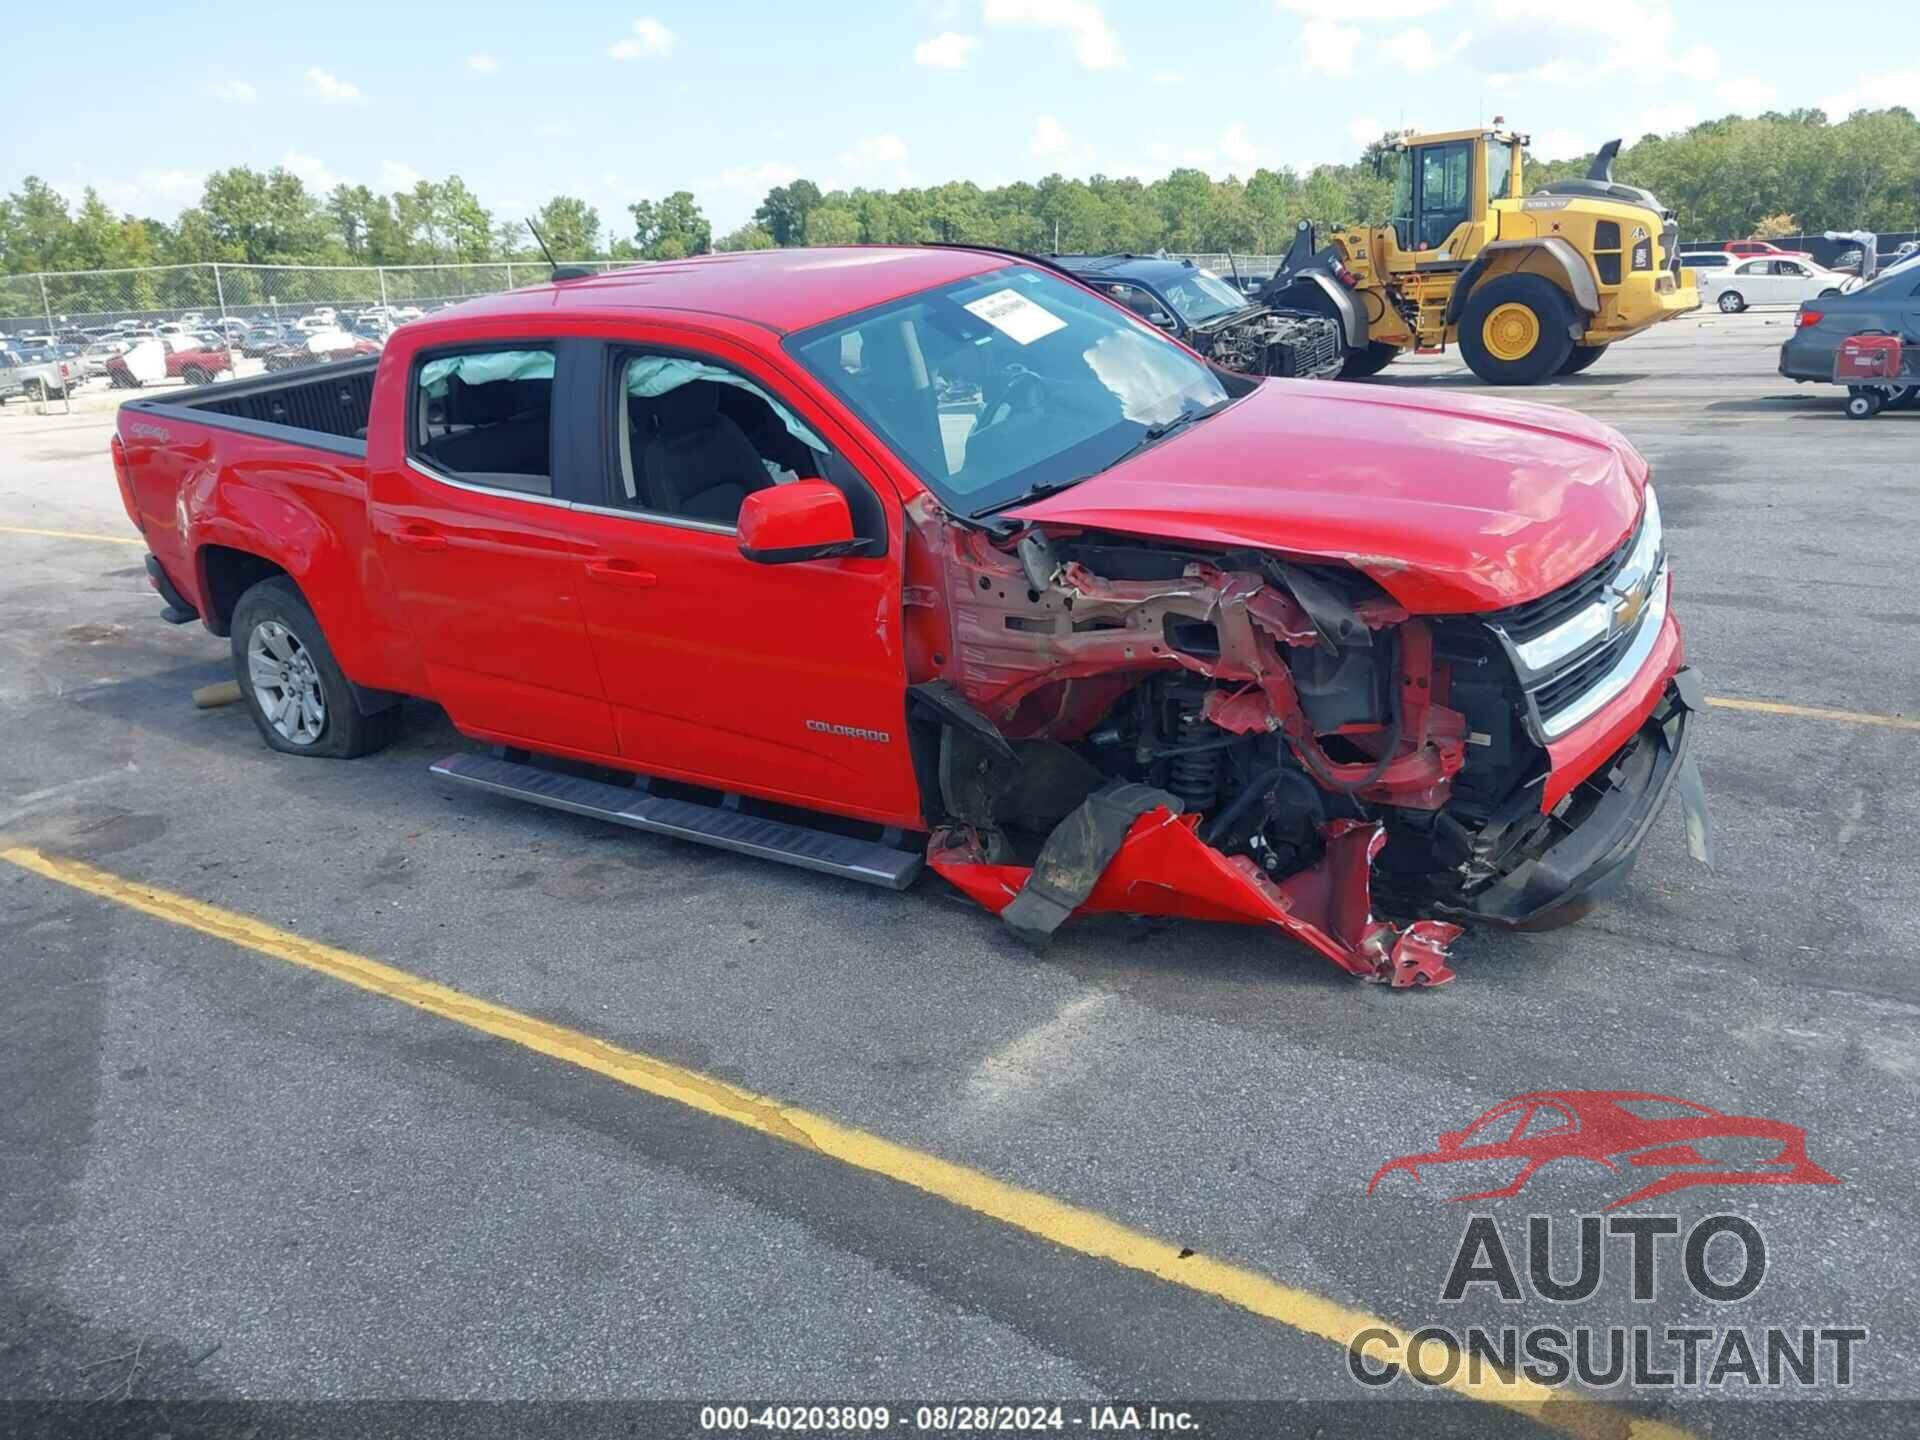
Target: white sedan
pixel 1770 280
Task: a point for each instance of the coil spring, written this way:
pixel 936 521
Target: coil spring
pixel 1195 777
pixel 1196 780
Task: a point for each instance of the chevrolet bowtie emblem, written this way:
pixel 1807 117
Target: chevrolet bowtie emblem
pixel 1629 603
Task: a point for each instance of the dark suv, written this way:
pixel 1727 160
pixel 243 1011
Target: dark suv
pixel 1213 316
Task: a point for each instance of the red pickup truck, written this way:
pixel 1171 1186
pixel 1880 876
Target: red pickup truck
pixel 869 558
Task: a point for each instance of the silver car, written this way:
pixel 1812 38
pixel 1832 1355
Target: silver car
pixel 1889 304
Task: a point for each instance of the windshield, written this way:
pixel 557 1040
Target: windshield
pixel 1200 297
pixel 1007 382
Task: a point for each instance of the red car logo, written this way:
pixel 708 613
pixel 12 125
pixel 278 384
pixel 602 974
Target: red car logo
pixel 1617 1128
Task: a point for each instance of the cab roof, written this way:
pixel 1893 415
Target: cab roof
pixel 783 290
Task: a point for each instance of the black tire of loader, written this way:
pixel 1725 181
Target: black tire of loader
pixel 1552 313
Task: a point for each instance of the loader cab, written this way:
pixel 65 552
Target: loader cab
pixel 1445 185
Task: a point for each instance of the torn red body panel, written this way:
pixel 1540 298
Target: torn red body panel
pixel 1165 868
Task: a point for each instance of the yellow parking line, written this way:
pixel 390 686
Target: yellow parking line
pixel 1084 1231
pixel 73 535
pixel 1814 712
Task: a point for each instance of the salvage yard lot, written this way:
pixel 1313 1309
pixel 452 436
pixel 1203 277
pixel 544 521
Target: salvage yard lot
pixel 206 1146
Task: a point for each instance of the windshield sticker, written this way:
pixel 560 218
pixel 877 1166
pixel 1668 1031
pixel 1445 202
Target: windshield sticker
pixel 1015 316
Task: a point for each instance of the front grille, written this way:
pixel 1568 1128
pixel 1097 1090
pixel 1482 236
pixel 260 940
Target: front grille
pixel 1535 618
pixel 1577 678
pixel 1575 649
pixel 1313 353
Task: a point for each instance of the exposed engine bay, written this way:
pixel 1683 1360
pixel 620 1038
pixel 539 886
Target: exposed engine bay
pixel 1129 725
pixel 1291 343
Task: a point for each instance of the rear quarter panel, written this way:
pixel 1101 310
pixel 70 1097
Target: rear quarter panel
pixel 193 486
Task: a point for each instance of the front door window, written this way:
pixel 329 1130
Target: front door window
pixel 1446 183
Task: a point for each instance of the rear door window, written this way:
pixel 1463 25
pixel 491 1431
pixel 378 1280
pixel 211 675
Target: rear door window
pixel 484 417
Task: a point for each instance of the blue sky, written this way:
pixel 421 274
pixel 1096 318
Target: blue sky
pixel 617 103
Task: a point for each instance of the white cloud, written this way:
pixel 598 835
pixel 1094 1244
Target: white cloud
pixel 395 176
pixel 1747 94
pixel 753 180
pixel 1561 145
pixel 1378 11
pixel 1327 47
pixel 325 86
pixel 873 160
pixel 1875 92
pixel 650 40
pixel 1167 79
pixel 1418 53
pixel 482 63
pixel 1095 45
pixel 311 169
pixel 1055 147
pixel 233 92
pixel 1238 150
pixel 949 50
pixel 1665 118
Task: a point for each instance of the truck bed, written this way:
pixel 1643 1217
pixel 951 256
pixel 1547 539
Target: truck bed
pixel 322 405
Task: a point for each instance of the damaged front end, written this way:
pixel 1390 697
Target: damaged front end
pixel 1118 725
pixel 1294 344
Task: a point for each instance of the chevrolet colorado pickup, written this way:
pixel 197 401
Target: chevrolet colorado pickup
pixel 869 558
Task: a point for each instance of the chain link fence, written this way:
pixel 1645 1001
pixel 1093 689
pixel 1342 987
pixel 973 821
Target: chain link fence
pixel 59 324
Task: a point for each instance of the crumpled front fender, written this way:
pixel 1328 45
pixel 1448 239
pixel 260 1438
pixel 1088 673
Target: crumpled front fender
pixel 1164 868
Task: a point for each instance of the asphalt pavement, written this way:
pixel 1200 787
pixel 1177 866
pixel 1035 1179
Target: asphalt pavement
pixel 228 1179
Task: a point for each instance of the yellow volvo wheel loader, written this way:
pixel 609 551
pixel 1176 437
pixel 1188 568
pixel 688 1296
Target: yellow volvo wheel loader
pixel 1528 286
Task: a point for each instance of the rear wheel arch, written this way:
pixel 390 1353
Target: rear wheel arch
pixel 227 573
pixel 1550 257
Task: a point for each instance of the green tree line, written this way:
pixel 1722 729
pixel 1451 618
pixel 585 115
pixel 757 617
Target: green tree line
pixel 1725 178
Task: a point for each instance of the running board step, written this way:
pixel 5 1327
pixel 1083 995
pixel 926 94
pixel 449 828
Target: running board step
pixel 872 862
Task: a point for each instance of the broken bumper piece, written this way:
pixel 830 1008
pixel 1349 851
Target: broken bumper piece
pixel 1162 867
pixel 1601 826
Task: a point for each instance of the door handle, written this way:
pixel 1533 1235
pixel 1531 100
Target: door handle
pixel 420 537
pixel 621 572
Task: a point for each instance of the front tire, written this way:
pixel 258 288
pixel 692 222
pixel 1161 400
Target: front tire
pixel 1581 357
pixel 1370 361
pixel 194 375
pixel 1732 303
pixel 1516 330
pixel 292 686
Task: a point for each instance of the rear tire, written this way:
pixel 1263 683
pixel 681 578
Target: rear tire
pixel 1863 405
pixel 1581 357
pixel 1516 330
pixel 37 391
pixel 1732 303
pixel 290 683
pixel 1370 361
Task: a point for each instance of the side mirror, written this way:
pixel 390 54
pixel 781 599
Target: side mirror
pixel 1162 319
pixel 804 520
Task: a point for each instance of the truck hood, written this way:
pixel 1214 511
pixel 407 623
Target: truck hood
pixel 1452 505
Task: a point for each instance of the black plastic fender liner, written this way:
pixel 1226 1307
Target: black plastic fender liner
pixel 1308 290
pixel 1077 854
